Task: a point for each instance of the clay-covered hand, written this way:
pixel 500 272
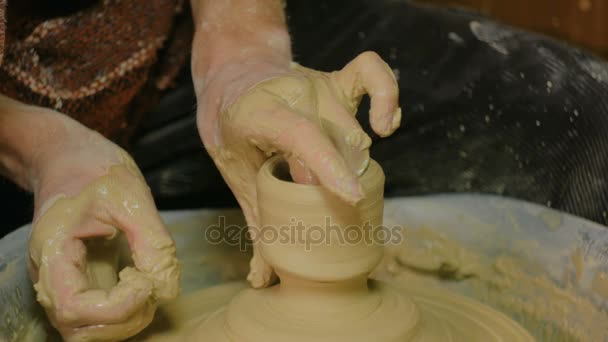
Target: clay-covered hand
pixel 88 191
pixel 247 113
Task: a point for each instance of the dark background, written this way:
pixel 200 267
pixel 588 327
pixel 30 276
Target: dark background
pixel 582 22
pixel 487 108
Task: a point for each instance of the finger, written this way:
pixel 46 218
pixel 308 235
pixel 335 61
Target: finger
pixel 97 306
pixel 63 286
pixel 112 332
pixel 261 273
pixel 350 140
pixel 96 229
pixel 239 175
pixel 278 127
pixel 239 172
pixel 309 144
pixel 152 247
pixel 64 290
pixel 346 135
pixel 369 74
pixel 300 173
pixel 128 206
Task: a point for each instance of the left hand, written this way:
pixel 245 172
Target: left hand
pixel 248 111
pixel 87 191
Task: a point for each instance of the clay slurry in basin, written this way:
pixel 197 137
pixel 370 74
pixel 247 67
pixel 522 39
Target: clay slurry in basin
pixel 324 292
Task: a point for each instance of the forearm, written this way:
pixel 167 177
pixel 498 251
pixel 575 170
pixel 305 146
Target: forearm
pixel 238 32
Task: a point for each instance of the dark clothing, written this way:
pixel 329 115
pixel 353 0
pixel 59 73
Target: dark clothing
pixel 101 62
pixel 486 108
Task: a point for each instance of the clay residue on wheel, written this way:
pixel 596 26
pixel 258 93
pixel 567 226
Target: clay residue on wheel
pixel 505 282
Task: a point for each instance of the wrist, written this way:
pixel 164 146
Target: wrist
pixel 221 57
pixel 74 161
pixel 49 153
pixel 25 132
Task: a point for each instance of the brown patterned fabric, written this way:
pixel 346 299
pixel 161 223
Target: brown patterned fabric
pixel 91 59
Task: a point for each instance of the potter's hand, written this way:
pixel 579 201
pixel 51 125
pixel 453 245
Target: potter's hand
pixel 86 187
pixel 252 102
pixel 304 114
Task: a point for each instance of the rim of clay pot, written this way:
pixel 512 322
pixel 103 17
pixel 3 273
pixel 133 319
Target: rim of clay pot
pixel 277 163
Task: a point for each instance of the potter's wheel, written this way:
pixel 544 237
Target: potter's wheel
pixel 571 252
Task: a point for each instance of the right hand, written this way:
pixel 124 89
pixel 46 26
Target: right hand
pixel 248 111
pixel 86 188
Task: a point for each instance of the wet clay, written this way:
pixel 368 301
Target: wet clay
pixel 428 259
pixel 74 264
pixel 599 284
pixel 324 292
pixel 307 116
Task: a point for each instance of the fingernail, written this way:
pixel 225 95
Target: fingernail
pixel 396 119
pixel 358 140
pixel 366 144
pixel 393 121
pixel 353 190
